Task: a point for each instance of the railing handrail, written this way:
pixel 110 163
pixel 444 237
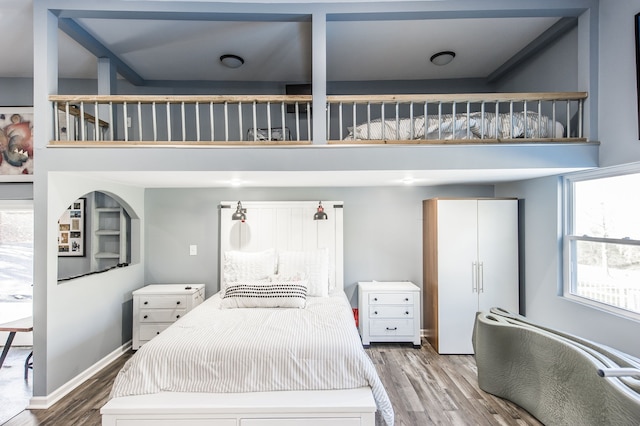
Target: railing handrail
pixel 148 99
pixel 460 97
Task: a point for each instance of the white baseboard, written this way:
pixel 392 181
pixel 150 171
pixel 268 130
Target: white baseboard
pixel 45 402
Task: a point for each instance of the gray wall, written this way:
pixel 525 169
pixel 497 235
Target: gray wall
pixel 382 229
pixel 543 197
pixel 378 244
pixel 618 113
pixel 542 244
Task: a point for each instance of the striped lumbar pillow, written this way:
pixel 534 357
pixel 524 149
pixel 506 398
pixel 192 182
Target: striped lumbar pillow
pixel 265 294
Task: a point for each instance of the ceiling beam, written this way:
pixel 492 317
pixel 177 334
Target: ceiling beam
pixel 89 42
pixel 557 30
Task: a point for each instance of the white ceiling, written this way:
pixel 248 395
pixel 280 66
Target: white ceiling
pixel 277 51
pixel 281 51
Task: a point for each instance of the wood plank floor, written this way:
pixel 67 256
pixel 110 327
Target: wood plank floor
pixel 425 389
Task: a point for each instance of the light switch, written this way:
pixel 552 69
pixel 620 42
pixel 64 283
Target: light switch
pixel 193 250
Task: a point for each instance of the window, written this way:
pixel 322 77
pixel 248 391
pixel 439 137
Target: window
pixel 16 259
pixel 602 240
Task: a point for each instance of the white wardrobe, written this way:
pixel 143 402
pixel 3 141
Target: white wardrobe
pixel 470 264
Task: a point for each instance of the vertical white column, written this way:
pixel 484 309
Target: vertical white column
pixel 319 76
pixel 45 83
pixel 107 80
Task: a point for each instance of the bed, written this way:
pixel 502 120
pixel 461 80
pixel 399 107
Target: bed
pixel 260 351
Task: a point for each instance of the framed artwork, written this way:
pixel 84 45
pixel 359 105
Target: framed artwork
pixel 71 238
pixel 16 144
pixel 637 37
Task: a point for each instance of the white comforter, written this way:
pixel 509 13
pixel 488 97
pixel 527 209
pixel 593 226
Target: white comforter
pixel 254 350
pixel 447 127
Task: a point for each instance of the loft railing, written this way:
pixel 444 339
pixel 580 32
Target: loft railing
pixel 456 118
pixel 286 119
pixel 157 120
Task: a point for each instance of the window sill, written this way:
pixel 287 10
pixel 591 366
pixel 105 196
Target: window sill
pixel 608 309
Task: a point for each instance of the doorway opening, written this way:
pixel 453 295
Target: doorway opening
pixel 16 303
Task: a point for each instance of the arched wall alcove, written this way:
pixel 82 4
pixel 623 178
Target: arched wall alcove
pixel 97 232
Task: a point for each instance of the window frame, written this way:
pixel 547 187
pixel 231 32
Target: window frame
pixel 568 244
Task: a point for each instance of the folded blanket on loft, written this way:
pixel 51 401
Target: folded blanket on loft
pixel 559 378
pixel 475 125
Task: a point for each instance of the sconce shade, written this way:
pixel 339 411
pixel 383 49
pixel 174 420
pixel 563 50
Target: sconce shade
pixel 232 61
pixel 442 58
pixel 240 213
pixel 320 214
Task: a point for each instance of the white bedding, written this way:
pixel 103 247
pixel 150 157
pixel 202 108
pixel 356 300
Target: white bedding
pixel 252 350
pixel 455 127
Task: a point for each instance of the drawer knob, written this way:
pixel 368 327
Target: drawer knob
pixel 392 329
pixel 406 299
pixel 157 332
pixel 406 313
pixel 375 312
pixel 177 316
pixel 178 302
pixel 145 317
pixel 146 303
pixel 375 299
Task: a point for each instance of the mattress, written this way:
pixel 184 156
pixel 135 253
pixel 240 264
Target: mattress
pixel 255 350
pixel 474 125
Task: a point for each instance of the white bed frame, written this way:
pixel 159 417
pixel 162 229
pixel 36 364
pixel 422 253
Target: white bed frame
pixel 283 226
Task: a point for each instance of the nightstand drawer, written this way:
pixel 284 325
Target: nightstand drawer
pixel 391 298
pixel 149 331
pixel 390 311
pixel 163 301
pixel 392 327
pixel 161 315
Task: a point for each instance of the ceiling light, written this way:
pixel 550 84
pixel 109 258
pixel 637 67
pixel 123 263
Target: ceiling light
pixel 442 58
pixel 408 181
pixel 231 61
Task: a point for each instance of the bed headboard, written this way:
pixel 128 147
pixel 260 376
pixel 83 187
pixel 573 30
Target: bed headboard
pixel 284 226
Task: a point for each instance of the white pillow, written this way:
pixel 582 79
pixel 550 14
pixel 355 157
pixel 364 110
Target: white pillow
pixel 314 263
pixel 265 294
pixel 247 266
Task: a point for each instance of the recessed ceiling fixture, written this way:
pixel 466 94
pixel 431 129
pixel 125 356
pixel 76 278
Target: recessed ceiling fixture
pixel 231 61
pixel 408 181
pixel 442 58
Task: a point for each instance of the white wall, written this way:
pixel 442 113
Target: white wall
pixel 382 230
pixel 89 315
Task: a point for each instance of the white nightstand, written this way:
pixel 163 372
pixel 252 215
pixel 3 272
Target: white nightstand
pixel 157 306
pixel 389 312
